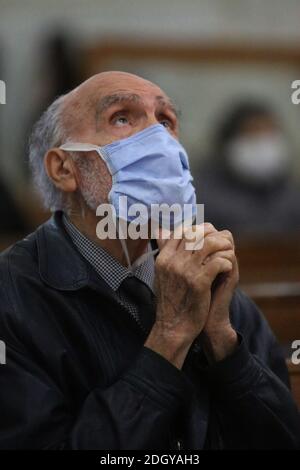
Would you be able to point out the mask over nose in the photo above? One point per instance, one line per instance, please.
(149, 167)
(258, 159)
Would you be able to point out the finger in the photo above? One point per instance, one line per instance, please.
(217, 266)
(209, 228)
(163, 235)
(165, 238)
(227, 234)
(184, 238)
(192, 237)
(226, 254)
(211, 245)
(223, 234)
(211, 270)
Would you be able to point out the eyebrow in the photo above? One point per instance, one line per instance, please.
(118, 98)
(168, 103)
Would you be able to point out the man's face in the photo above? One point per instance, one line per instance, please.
(109, 107)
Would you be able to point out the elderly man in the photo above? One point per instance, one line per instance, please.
(108, 348)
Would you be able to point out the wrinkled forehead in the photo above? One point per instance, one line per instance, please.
(114, 82)
(98, 93)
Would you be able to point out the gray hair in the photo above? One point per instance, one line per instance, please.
(48, 132)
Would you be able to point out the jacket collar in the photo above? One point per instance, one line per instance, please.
(60, 264)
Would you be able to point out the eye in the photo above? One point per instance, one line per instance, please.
(121, 121)
(165, 123)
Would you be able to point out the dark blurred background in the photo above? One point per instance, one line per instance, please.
(229, 66)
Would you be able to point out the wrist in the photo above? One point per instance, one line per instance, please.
(219, 342)
(170, 344)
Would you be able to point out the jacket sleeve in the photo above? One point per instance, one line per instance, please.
(253, 404)
(138, 411)
(135, 412)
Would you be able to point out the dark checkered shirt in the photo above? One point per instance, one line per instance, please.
(110, 269)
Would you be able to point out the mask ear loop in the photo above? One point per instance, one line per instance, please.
(123, 243)
(132, 266)
(78, 147)
(144, 257)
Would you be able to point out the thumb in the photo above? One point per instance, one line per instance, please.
(162, 235)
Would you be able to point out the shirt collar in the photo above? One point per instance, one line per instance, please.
(109, 268)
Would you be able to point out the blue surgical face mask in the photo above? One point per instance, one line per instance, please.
(149, 167)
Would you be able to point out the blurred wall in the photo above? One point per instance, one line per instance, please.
(202, 92)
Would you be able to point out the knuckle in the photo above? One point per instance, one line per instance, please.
(170, 265)
(229, 236)
(203, 282)
(219, 262)
(227, 233)
(227, 244)
(178, 271)
(209, 226)
(209, 243)
(189, 278)
(213, 262)
(161, 262)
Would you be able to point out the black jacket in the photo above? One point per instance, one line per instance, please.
(78, 376)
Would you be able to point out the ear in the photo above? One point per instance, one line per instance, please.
(61, 170)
